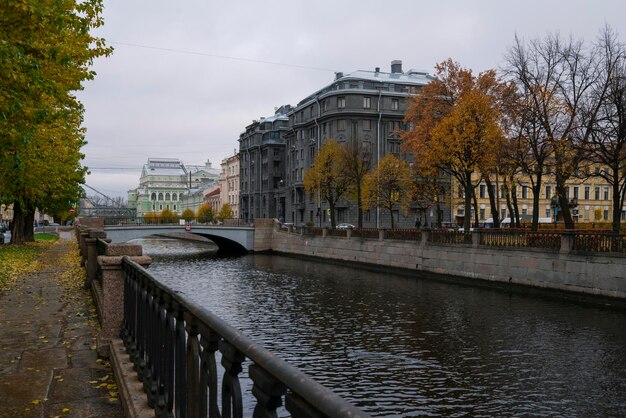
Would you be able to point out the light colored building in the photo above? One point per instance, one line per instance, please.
(229, 183)
(590, 200)
(168, 183)
(212, 197)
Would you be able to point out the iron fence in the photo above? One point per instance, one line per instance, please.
(411, 234)
(371, 233)
(447, 236)
(520, 238)
(600, 242)
(173, 344)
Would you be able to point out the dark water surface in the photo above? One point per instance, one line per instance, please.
(403, 346)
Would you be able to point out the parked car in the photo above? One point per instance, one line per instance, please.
(345, 226)
(285, 225)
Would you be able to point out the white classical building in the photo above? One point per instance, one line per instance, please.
(168, 183)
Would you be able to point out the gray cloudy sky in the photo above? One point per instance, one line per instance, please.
(187, 76)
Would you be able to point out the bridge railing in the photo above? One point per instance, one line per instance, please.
(174, 346)
(171, 220)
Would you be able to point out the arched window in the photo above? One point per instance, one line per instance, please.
(160, 196)
(167, 196)
(153, 197)
(174, 196)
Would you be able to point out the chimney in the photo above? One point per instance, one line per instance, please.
(377, 70)
(338, 75)
(396, 66)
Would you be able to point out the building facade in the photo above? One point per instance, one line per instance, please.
(366, 107)
(168, 183)
(262, 166)
(229, 183)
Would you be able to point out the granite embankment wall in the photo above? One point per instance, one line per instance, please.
(599, 275)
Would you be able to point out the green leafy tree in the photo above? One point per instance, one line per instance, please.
(389, 185)
(226, 212)
(204, 213)
(327, 176)
(46, 52)
(188, 215)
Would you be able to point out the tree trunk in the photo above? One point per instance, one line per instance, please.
(536, 195)
(617, 201)
(393, 226)
(29, 231)
(468, 202)
(359, 205)
(564, 204)
(495, 213)
(17, 226)
(475, 204)
(333, 223)
(515, 214)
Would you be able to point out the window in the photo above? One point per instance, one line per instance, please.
(575, 192)
(482, 192)
(324, 127)
(524, 211)
(153, 197)
(161, 197)
(167, 196)
(605, 215)
(586, 192)
(325, 105)
(503, 213)
(606, 193)
(395, 104)
(596, 192)
(367, 102)
(341, 125)
(302, 154)
(524, 191)
(548, 214)
(482, 214)
(367, 125)
(341, 102)
(548, 192)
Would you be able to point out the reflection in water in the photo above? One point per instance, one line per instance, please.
(404, 346)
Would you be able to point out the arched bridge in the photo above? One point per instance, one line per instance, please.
(229, 239)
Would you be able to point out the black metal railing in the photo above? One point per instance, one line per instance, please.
(337, 232)
(600, 242)
(410, 234)
(172, 220)
(446, 236)
(173, 344)
(371, 233)
(520, 238)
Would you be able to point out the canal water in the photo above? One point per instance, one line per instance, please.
(399, 346)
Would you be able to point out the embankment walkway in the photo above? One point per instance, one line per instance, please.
(48, 362)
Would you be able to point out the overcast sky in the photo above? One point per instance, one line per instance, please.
(187, 76)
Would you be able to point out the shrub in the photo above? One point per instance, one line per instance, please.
(167, 216)
(188, 215)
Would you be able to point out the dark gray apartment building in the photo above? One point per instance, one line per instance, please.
(363, 106)
(262, 165)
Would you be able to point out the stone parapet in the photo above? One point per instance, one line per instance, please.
(563, 269)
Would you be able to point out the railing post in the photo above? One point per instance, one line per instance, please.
(349, 232)
(290, 228)
(381, 234)
(567, 242)
(475, 238)
(111, 310)
(324, 232)
(92, 255)
(84, 234)
(425, 235)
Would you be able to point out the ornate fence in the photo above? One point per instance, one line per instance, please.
(174, 343)
(446, 236)
(366, 233)
(411, 234)
(520, 238)
(600, 242)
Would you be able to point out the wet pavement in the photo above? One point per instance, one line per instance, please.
(48, 363)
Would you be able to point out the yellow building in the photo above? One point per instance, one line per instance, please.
(590, 200)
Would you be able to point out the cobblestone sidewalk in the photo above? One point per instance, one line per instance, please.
(48, 363)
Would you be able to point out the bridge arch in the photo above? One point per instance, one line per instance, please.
(230, 240)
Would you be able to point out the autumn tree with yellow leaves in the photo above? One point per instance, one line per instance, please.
(327, 176)
(389, 185)
(46, 52)
(456, 126)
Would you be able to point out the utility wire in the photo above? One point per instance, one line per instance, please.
(206, 54)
